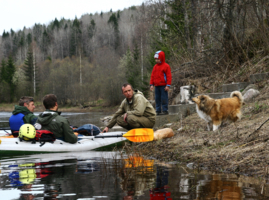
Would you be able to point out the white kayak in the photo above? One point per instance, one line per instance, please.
(4, 132)
(13, 146)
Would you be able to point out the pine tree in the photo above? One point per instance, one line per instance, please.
(3, 71)
(30, 71)
(91, 28)
(76, 36)
(7, 74)
(133, 74)
(10, 70)
(29, 38)
(113, 20)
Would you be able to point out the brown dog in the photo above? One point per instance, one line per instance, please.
(217, 110)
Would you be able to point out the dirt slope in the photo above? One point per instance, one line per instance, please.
(235, 148)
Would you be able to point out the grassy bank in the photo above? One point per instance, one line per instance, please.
(235, 148)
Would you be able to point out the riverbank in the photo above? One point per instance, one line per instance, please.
(9, 107)
(236, 148)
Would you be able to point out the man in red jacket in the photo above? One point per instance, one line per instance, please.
(161, 78)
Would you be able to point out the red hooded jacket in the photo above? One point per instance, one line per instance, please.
(161, 73)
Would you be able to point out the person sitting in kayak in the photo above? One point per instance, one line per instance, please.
(52, 121)
(135, 111)
(22, 114)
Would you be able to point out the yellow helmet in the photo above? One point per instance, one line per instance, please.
(27, 131)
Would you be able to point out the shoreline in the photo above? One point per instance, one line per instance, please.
(240, 148)
(39, 108)
(235, 148)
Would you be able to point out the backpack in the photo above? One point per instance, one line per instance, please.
(41, 136)
(44, 136)
(88, 130)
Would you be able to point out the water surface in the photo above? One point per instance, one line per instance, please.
(106, 175)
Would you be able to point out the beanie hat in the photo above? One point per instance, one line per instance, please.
(156, 55)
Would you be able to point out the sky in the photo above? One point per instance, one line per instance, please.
(16, 14)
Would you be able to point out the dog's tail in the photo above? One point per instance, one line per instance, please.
(238, 95)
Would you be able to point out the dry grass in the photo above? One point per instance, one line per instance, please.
(235, 148)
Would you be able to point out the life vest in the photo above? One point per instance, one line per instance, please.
(16, 121)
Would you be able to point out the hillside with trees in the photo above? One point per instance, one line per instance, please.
(207, 43)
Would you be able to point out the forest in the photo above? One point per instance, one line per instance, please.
(206, 42)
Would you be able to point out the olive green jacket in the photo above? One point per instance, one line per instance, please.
(139, 106)
(58, 125)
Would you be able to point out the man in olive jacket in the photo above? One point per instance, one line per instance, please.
(135, 111)
(22, 114)
(52, 121)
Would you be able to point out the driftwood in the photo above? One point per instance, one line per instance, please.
(254, 135)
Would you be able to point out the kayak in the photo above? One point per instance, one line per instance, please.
(4, 132)
(13, 146)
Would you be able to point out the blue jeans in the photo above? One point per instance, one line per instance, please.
(161, 99)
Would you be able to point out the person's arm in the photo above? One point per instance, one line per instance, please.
(168, 75)
(30, 118)
(119, 112)
(151, 82)
(139, 106)
(69, 135)
(105, 130)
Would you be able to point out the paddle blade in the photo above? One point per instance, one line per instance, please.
(139, 135)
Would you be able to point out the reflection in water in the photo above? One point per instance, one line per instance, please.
(220, 189)
(105, 175)
(137, 176)
(160, 192)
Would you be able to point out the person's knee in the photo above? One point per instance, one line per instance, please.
(120, 121)
(131, 119)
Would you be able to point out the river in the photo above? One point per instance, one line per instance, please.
(114, 175)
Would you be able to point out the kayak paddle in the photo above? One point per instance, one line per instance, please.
(134, 135)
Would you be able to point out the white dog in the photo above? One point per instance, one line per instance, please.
(186, 94)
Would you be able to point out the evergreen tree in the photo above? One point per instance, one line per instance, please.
(7, 74)
(10, 70)
(56, 24)
(118, 14)
(3, 71)
(76, 37)
(45, 42)
(133, 74)
(30, 72)
(12, 32)
(29, 38)
(113, 20)
(91, 29)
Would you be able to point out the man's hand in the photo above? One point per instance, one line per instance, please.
(76, 133)
(105, 130)
(125, 117)
(151, 88)
(166, 88)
